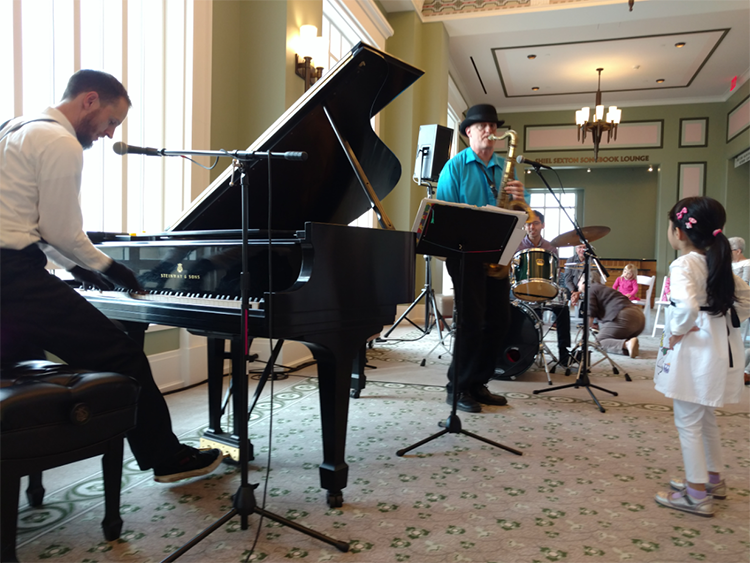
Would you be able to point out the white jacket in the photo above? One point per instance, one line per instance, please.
(698, 369)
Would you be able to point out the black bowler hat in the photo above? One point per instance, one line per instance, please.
(480, 113)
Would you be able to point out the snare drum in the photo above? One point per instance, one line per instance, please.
(534, 275)
(521, 346)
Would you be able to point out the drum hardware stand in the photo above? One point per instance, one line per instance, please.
(450, 332)
(598, 347)
(542, 361)
(582, 379)
(243, 501)
(427, 290)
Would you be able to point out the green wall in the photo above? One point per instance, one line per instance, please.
(623, 199)
(424, 46)
(738, 179)
(254, 83)
(620, 197)
(253, 78)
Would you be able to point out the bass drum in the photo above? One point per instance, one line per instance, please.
(518, 352)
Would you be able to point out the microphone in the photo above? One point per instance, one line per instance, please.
(122, 148)
(520, 159)
(293, 155)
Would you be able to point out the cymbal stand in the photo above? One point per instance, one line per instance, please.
(430, 306)
(243, 501)
(453, 424)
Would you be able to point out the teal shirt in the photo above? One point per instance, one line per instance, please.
(463, 180)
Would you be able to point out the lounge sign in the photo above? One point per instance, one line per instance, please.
(590, 159)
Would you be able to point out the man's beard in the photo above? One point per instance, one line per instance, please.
(84, 131)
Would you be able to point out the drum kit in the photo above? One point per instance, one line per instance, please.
(534, 289)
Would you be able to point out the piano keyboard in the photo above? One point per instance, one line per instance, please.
(228, 302)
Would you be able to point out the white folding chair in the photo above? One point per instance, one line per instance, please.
(649, 282)
(661, 303)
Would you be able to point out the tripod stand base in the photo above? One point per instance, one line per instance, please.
(244, 505)
(452, 425)
(578, 384)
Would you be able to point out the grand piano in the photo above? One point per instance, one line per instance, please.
(313, 279)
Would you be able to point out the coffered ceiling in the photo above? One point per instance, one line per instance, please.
(533, 55)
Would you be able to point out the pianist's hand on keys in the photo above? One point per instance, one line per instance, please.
(122, 276)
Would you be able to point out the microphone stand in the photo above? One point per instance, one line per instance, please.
(243, 501)
(237, 155)
(582, 379)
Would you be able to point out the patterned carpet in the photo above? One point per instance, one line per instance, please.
(581, 492)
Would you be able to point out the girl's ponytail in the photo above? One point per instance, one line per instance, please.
(702, 220)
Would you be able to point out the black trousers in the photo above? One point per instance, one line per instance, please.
(483, 311)
(39, 312)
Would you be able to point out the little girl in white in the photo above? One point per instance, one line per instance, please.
(700, 360)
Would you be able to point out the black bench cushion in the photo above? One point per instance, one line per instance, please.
(62, 408)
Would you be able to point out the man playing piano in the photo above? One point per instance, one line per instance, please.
(469, 177)
(41, 161)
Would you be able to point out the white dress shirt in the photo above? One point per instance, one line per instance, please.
(40, 183)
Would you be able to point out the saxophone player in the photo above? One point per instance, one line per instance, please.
(473, 177)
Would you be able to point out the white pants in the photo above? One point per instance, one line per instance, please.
(699, 439)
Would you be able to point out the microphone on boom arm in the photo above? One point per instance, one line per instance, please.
(520, 159)
(122, 148)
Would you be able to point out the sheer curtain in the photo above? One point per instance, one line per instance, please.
(149, 46)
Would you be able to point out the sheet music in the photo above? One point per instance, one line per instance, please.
(514, 240)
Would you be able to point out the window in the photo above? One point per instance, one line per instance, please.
(556, 221)
(340, 33)
(148, 46)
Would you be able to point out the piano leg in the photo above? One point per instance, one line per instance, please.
(335, 354)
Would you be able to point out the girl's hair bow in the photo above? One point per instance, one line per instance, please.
(681, 212)
(690, 222)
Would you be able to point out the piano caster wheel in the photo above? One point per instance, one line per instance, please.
(354, 393)
(335, 500)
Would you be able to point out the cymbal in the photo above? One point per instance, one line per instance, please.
(571, 237)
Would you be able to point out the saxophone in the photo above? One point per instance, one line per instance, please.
(504, 199)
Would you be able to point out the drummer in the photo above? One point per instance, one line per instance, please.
(533, 239)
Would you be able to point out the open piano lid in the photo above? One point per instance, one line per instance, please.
(325, 187)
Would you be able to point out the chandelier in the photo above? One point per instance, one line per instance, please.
(598, 124)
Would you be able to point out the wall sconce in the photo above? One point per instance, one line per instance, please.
(310, 52)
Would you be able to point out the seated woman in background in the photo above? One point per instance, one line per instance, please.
(740, 264)
(627, 283)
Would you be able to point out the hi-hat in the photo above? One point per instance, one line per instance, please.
(571, 237)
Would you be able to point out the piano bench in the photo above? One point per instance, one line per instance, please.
(52, 415)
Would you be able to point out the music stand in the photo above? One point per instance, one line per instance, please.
(491, 238)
